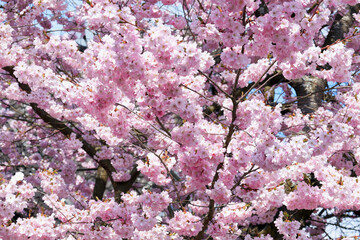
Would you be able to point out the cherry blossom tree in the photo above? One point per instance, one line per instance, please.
(192, 119)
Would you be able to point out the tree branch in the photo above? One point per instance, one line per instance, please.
(105, 168)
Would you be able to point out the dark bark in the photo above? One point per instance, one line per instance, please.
(262, 10)
(310, 93)
(100, 183)
(341, 25)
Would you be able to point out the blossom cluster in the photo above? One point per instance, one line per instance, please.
(167, 119)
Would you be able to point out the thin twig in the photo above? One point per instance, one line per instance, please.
(277, 74)
(187, 21)
(210, 80)
(162, 126)
(253, 86)
(182, 85)
(118, 104)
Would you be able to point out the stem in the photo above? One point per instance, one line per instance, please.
(228, 138)
(210, 80)
(253, 86)
(182, 85)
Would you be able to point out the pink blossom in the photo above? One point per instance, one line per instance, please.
(185, 224)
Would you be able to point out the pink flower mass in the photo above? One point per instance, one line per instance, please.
(168, 119)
